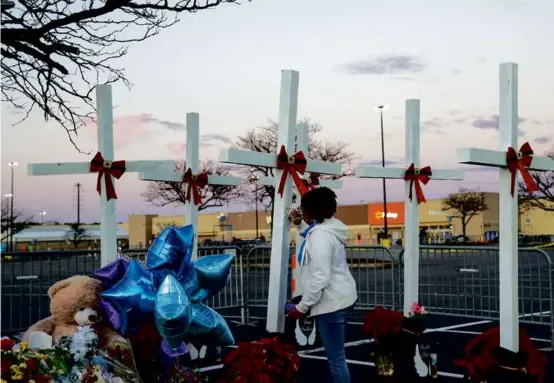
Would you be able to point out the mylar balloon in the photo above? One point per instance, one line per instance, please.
(172, 311)
(207, 324)
(112, 273)
(211, 275)
(134, 290)
(171, 250)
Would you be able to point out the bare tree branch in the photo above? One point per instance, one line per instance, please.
(264, 139)
(175, 193)
(19, 223)
(544, 198)
(55, 52)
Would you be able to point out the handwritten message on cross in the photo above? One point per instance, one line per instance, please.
(310, 180)
(106, 168)
(415, 177)
(510, 160)
(191, 176)
(287, 166)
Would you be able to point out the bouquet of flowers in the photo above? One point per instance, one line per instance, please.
(76, 358)
(264, 361)
(21, 364)
(382, 324)
(485, 360)
(414, 323)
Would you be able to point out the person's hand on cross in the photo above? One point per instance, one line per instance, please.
(295, 216)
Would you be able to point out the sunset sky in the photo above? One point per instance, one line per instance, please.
(225, 64)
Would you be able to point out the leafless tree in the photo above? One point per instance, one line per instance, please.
(175, 193)
(465, 204)
(76, 234)
(19, 222)
(264, 139)
(544, 198)
(54, 52)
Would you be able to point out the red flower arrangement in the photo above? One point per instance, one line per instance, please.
(265, 361)
(381, 322)
(481, 356)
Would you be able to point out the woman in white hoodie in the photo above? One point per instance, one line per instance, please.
(327, 286)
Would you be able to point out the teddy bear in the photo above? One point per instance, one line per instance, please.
(74, 302)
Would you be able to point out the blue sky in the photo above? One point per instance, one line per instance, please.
(225, 64)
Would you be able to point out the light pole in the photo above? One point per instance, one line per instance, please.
(42, 213)
(222, 218)
(386, 228)
(12, 166)
(254, 179)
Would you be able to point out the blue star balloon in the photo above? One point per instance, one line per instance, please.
(171, 250)
(168, 282)
(210, 275)
(134, 290)
(112, 273)
(172, 312)
(207, 324)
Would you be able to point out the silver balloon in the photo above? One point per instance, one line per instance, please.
(172, 311)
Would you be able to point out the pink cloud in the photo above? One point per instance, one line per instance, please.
(177, 149)
(127, 130)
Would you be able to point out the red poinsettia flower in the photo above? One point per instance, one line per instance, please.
(379, 322)
(32, 364)
(480, 357)
(6, 364)
(6, 344)
(264, 361)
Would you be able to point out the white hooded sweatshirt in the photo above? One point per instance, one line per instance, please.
(325, 278)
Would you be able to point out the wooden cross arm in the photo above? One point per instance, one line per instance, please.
(176, 176)
(248, 157)
(331, 184)
(61, 168)
(398, 173)
(495, 158)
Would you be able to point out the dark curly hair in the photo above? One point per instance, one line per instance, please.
(319, 203)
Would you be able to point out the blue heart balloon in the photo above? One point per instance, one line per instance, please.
(172, 311)
(134, 290)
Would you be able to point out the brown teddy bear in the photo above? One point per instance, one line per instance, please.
(74, 302)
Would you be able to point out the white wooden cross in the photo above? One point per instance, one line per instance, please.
(192, 162)
(302, 139)
(508, 218)
(411, 247)
(280, 243)
(108, 222)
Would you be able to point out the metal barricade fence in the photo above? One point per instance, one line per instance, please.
(464, 281)
(373, 268)
(26, 277)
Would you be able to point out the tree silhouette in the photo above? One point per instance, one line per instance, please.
(55, 52)
(465, 204)
(544, 198)
(164, 193)
(19, 222)
(264, 139)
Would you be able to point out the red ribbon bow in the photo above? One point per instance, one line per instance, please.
(108, 168)
(418, 176)
(291, 165)
(195, 182)
(521, 160)
(311, 182)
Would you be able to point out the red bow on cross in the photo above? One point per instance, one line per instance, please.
(109, 169)
(521, 160)
(311, 182)
(291, 165)
(194, 183)
(415, 176)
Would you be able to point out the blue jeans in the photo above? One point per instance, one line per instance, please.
(332, 328)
